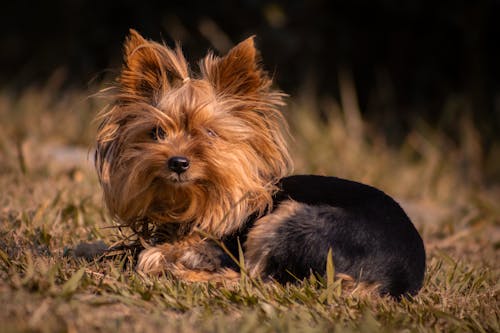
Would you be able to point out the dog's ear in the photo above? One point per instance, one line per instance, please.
(141, 76)
(149, 70)
(238, 72)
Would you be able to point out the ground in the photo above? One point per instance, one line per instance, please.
(50, 201)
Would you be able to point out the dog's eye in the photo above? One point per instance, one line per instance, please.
(211, 133)
(158, 133)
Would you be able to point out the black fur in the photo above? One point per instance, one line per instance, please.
(371, 237)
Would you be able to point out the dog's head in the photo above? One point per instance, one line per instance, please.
(175, 148)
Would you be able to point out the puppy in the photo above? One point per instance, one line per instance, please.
(203, 159)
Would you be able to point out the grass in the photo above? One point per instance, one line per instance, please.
(50, 201)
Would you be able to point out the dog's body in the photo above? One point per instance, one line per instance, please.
(372, 238)
(206, 156)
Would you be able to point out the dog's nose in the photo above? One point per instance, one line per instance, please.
(178, 164)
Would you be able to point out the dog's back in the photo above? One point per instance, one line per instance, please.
(372, 239)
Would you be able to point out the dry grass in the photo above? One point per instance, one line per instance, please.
(50, 201)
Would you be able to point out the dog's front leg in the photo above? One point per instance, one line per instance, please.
(190, 259)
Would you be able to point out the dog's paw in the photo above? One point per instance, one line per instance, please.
(151, 261)
(181, 259)
(196, 260)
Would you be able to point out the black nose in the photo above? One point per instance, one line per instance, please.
(178, 164)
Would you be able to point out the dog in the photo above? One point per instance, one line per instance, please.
(203, 158)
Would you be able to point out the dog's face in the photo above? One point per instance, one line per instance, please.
(203, 151)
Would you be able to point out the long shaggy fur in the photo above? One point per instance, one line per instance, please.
(224, 120)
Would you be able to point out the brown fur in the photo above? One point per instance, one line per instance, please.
(225, 120)
(191, 259)
(262, 237)
(351, 286)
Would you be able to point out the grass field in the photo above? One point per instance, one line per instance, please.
(50, 201)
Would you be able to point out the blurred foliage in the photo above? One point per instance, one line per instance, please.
(364, 77)
(50, 201)
(409, 62)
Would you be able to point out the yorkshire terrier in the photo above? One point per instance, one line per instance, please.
(204, 159)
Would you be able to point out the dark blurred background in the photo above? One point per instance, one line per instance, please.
(410, 60)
